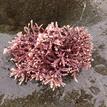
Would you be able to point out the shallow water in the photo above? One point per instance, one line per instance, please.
(91, 91)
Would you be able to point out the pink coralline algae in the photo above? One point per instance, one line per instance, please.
(49, 54)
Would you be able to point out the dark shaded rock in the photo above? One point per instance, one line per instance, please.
(19, 12)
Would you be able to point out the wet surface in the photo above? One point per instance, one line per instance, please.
(91, 91)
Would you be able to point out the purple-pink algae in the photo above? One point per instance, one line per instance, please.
(49, 54)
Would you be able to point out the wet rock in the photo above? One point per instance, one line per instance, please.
(102, 69)
(102, 104)
(101, 46)
(98, 59)
(79, 98)
(94, 90)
